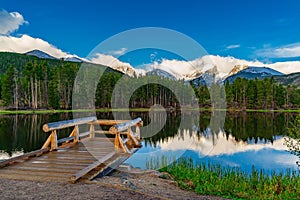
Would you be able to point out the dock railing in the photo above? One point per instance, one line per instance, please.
(126, 139)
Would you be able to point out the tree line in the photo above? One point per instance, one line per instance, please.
(261, 94)
(37, 85)
(44, 84)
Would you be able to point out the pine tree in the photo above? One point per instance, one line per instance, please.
(8, 92)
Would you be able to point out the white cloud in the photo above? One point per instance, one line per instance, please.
(118, 52)
(217, 145)
(10, 22)
(291, 50)
(233, 46)
(286, 67)
(178, 68)
(114, 63)
(27, 43)
(108, 60)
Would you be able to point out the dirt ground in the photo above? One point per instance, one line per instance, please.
(133, 184)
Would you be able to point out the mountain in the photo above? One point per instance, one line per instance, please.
(207, 78)
(40, 54)
(237, 69)
(289, 79)
(254, 72)
(128, 70)
(73, 59)
(161, 73)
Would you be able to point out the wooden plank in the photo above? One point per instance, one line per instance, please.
(67, 123)
(67, 161)
(24, 156)
(66, 157)
(125, 125)
(86, 170)
(77, 166)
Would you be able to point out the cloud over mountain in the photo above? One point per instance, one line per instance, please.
(27, 43)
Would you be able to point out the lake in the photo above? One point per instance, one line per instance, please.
(239, 140)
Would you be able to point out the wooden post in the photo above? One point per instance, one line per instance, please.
(76, 134)
(129, 142)
(122, 144)
(117, 142)
(132, 138)
(137, 132)
(92, 131)
(73, 134)
(53, 140)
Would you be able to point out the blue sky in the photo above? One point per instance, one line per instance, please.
(243, 29)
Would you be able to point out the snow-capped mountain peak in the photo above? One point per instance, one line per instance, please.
(236, 69)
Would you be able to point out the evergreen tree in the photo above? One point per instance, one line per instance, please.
(8, 91)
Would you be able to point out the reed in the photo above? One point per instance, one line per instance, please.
(214, 179)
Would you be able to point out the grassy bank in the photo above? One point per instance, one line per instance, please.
(210, 179)
(46, 111)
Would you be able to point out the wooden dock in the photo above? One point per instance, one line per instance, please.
(81, 156)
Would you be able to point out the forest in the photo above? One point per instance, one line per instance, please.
(27, 82)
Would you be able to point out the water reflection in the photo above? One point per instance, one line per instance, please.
(244, 140)
(23, 133)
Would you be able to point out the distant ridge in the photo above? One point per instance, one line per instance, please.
(73, 59)
(254, 72)
(289, 79)
(162, 73)
(40, 54)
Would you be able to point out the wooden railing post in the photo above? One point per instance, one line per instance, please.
(92, 131)
(117, 142)
(53, 140)
(138, 132)
(76, 134)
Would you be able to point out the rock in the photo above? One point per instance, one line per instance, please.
(166, 176)
(129, 184)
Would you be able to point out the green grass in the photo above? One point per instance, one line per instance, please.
(213, 179)
(25, 112)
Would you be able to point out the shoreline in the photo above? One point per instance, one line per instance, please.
(119, 185)
(104, 110)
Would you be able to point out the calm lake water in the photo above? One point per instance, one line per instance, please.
(240, 140)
